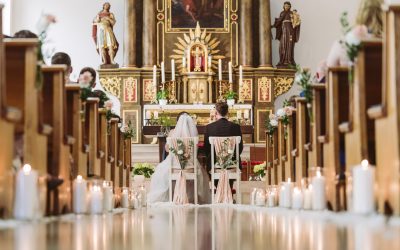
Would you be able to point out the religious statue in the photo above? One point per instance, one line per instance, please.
(197, 60)
(103, 35)
(287, 32)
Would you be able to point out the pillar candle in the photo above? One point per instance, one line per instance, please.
(79, 194)
(148, 114)
(230, 71)
(281, 195)
(155, 76)
(271, 199)
(240, 75)
(307, 198)
(287, 194)
(96, 200)
(162, 72)
(125, 198)
(246, 114)
(173, 70)
(297, 199)
(108, 204)
(318, 191)
(184, 61)
(363, 188)
(260, 198)
(219, 70)
(239, 114)
(26, 200)
(155, 114)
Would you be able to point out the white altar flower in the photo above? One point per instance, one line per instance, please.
(108, 105)
(281, 113)
(180, 152)
(355, 36)
(273, 123)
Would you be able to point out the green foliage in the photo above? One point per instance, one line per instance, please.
(231, 95)
(225, 156)
(182, 152)
(162, 95)
(145, 169)
(128, 131)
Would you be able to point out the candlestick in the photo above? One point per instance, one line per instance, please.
(219, 70)
(240, 75)
(246, 114)
(297, 199)
(26, 202)
(307, 199)
(363, 188)
(80, 195)
(230, 72)
(96, 199)
(108, 196)
(287, 194)
(154, 76)
(125, 197)
(318, 191)
(173, 70)
(162, 72)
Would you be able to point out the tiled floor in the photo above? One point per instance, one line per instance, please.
(205, 228)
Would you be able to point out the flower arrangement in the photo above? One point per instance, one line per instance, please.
(259, 169)
(225, 154)
(182, 152)
(162, 95)
(271, 123)
(303, 79)
(145, 169)
(128, 131)
(230, 95)
(283, 114)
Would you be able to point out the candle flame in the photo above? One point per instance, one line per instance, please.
(79, 177)
(288, 180)
(365, 164)
(27, 168)
(296, 190)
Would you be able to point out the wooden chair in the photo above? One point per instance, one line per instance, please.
(365, 92)
(113, 151)
(9, 117)
(103, 144)
(233, 173)
(337, 104)
(121, 159)
(190, 171)
(387, 121)
(91, 132)
(53, 112)
(290, 142)
(299, 152)
(75, 127)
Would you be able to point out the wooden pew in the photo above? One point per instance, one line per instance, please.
(128, 160)
(91, 134)
(365, 92)
(290, 142)
(282, 158)
(121, 160)
(75, 127)
(275, 162)
(103, 144)
(269, 159)
(387, 118)
(54, 112)
(317, 124)
(337, 103)
(9, 117)
(299, 153)
(113, 151)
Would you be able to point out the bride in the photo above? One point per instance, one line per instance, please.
(185, 127)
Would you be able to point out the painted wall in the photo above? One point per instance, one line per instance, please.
(72, 33)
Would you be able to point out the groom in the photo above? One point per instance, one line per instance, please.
(221, 128)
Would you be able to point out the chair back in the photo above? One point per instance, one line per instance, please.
(223, 149)
(184, 151)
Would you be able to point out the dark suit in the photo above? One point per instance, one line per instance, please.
(221, 128)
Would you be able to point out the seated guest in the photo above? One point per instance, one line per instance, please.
(87, 76)
(63, 58)
(25, 34)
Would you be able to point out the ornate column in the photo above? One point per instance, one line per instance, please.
(246, 34)
(149, 33)
(130, 34)
(264, 22)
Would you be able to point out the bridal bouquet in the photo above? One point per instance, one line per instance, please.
(224, 152)
(182, 151)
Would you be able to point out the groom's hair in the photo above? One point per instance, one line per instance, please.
(222, 108)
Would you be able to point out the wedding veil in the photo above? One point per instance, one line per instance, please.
(185, 127)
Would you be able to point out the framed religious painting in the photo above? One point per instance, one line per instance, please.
(183, 15)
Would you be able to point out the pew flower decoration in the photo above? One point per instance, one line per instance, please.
(225, 155)
(145, 169)
(271, 124)
(182, 152)
(259, 169)
(128, 130)
(283, 114)
(303, 79)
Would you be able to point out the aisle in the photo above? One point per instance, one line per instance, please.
(239, 227)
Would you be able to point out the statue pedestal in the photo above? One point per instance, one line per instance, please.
(109, 66)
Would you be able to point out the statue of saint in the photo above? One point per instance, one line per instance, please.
(287, 32)
(103, 35)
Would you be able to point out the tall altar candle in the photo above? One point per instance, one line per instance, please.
(219, 70)
(230, 71)
(162, 72)
(173, 70)
(26, 193)
(155, 76)
(318, 191)
(240, 75)
(79, 193)
(209, 61)
(184, 61)
(363, 188)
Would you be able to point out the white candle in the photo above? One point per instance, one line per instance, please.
(287, 194)
(246, 114)
(173, 70)
(297, 199)
(155, 76)
(184, 61)
(26, 202)
(318, 191)
(219, 70)
(162, 72)
(79, 194)
(281, 194)
(155, 114)
(239, 114)
(307, 199)
(96, 200)
(240, 75)
(363, 188)
(108, 195)
(209, 61)
(260, 198)
(125, 198)
(271, 199)
(230, 72)
(148, 114)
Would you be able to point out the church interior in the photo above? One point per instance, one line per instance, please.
(199, 124)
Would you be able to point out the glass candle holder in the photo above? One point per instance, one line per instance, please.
(125, 197)
(272, 195)
(260, 197)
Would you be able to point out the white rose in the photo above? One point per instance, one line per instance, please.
(84, 85)
(230, 151)
(298, 78)
(273, 123)
(180, 152)
(281, 113)
(352, 39)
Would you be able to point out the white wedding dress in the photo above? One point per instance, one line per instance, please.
(159, 186)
